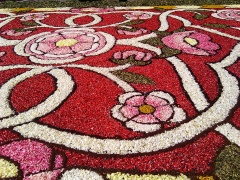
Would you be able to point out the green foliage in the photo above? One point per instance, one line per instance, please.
(200, 16)
(227, 164)
(29, 23)
(133, 77)
(212, 25)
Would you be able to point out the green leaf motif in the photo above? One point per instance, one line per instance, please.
(29, 23)
(155, 41)
(133, 77)
(200, 16)
(130, 60)
(215, 25)
(133, 22)
(227, 163)
(19, 30)
(169, 52)
(182, 29)
(23, 30)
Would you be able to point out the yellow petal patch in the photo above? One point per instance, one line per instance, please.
(191, 41)
(146, 109)
(7, 169)
(66, 42)
(123, 176)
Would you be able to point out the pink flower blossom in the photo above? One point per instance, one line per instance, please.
(138, 15)
(13, 32)
(139, 56)
(67, 45)
(229, 14)
(47, 175)
(34, 16)
(92, 9)
(32, 156)
(191, 42)
(147, 112)
(130, 33)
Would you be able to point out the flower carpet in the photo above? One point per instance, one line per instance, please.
(120, 93)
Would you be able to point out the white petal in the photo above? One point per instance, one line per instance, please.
(179, 115)
(33, 48)
(122, 99)
(163, 95)
(117, 114)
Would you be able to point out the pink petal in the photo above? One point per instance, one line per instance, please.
(61, 51)
(196, 51)
(85, 39)
(176, 40)
(53, 39)
(145, 118)
(81, 47)
(163, 113)
(117, 55)
(49, 175)
(145, 16)
(147, 57)
(126, 54)
(129, 111)
(139, 56)
(31, 155)
(155, 101)
(199, 36)
(46, 47)
(135, 101)
(70, 35)
(9, 32)
(58, 162)
(207, 45)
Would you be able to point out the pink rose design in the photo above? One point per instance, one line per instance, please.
(92, 9)
(139, 56)
(65, 46)
(33, 157)
(229, 14)
(147, 112)
(130, 33)
(34, 16)
(191, 42)
(138, 15)
(13, 32)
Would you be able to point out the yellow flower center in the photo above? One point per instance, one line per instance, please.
(191, 41)
(146, 109)
(8, 169)
(66, 42)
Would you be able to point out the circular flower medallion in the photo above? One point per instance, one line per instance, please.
(63, 46)
(147, 112)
